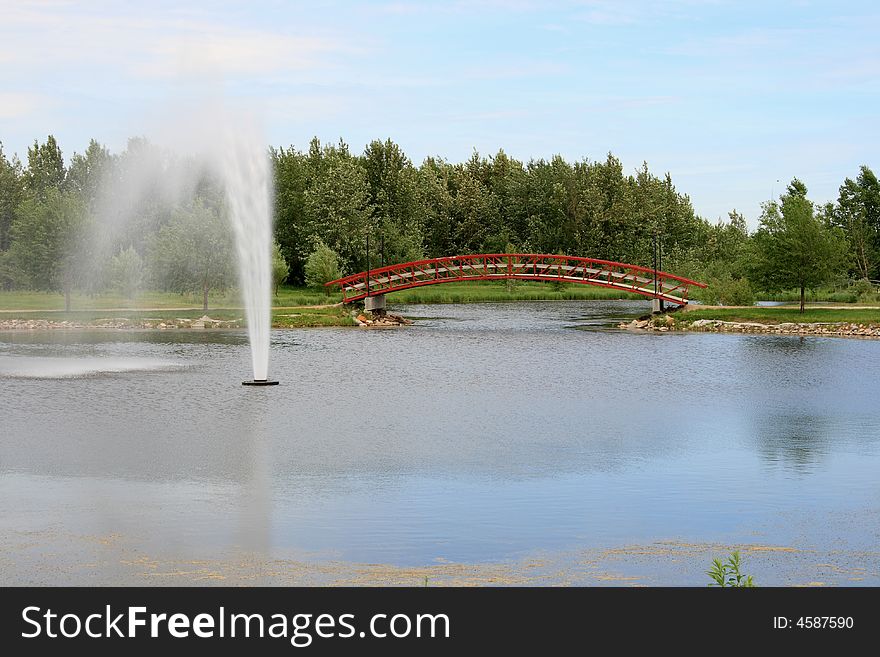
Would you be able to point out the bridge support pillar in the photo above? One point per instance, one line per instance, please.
(375, 304)
(656, 305)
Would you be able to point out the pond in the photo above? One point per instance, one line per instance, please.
(485, 433)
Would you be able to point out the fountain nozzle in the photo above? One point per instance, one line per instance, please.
(259, 382)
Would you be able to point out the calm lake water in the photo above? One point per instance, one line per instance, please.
(483, 433)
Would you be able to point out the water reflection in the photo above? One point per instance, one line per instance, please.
(799, 443)
(255, 508)
(482, 432)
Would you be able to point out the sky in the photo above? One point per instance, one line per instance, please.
(732, 98)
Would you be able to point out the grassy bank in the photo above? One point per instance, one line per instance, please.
(305, 316)
(288, 297)
(851, 294)
(46, 301)
(782, 314)
(295, 317)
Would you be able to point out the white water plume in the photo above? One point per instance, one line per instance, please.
(184, 148)
(246, 175)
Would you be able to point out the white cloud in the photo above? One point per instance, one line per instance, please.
(15, 105)
(225, 52)
(54, 36)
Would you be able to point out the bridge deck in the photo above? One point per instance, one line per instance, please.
(520, 266)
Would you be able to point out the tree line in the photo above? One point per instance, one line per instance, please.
(328, 200)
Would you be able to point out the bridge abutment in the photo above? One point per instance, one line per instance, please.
(375, 304)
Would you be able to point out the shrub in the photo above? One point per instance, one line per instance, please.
(727, 291)
(727, 574)
(280, 268)
(322, 266)
(127, 272)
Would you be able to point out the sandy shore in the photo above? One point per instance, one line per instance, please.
(51, 558)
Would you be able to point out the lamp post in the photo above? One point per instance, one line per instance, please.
(368, 261)
(660, 266)
(654, 259)
(657, 243)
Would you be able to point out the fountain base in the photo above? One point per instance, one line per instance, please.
(259, 382)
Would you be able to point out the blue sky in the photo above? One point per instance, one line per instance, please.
(729, 97)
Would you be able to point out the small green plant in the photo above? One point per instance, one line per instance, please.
(728, 573)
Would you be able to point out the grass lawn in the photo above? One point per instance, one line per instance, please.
(488, 291)
(780, 314)
(305, 316)
(302, 307)
(302, 316)
(292, 297)
(287, 296)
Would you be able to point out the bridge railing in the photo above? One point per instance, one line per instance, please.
(524, 266)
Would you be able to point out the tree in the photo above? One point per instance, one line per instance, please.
(397, 212)
(339, 203)
(858, 213)
(280, 269)
(793, 248)
(294, 230)
(11, 193)
(437, 198)
(88, 171)
(127, 272)
(45, 170)
(322, 266)
(193, 253)
(50, 249)
(475, 211)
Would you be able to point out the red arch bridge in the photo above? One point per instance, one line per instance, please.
(648, 282)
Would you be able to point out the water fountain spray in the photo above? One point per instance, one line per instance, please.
(247, 175)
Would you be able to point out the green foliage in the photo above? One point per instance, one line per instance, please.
(338, 204)
(303, 317)
(485, 204)
(727, 574)
(193, 252)
(127, 272)
(280, 268)
(50, 249)
(7, 271)
(11, 193)
(45, 170)
(322, 266)
(87, 171)
(586, 208)
(858, 213)
(865, 291)
(727, 291)
(398, 214)
(793, 248)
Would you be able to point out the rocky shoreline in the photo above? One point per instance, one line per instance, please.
(381, 321)
(666, 323)
(204, 322)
